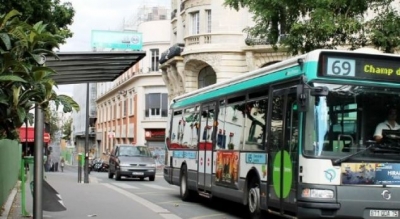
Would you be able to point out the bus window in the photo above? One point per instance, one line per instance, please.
(191, 128)
(276, 123)
(255, 119)
(176, 130)
(234, 124)
(221, 132)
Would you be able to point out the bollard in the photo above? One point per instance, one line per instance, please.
(81, 162)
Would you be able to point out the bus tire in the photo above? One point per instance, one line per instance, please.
(253, 202)
(185, 193)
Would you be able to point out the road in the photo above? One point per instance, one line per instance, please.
(166, 196)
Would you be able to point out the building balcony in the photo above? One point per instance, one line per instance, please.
(212, 39)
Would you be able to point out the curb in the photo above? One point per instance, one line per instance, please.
(10, 200)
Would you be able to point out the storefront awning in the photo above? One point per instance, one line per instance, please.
(31, 135)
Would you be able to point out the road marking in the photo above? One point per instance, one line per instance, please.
(208, 216)
(170, 216)
(171, 202)
(155, 208)
(151, 193)
(156, 187)
(125, 186)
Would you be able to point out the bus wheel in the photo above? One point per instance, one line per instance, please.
(254, 201)
(184, 191)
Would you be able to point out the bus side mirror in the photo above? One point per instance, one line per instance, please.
(302, 98)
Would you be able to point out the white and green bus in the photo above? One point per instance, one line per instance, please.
(294, 138)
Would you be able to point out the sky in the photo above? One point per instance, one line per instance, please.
(99, 15)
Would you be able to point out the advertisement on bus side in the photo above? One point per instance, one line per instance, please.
(227, 168)
(371, 173)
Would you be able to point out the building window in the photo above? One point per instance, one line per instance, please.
(124, 108)
(156, 105)
(208, 21)
(131, 106)
(154, 113)
(154, 59)
(115, 112)
(207, 77)
(195, 23)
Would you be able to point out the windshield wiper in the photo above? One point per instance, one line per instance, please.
(340, 160)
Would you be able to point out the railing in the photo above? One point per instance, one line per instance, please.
(214, 38)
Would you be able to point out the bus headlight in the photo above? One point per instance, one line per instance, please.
(317, 193)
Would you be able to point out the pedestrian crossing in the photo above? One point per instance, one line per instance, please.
(143, 186)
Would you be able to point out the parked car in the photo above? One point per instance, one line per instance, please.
(131, 161)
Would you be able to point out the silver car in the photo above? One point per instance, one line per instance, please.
(131, 161)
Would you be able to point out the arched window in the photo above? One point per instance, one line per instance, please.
(207, 77)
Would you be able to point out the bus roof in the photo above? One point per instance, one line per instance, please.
(274, 72)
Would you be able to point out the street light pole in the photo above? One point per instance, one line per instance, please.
(38, 164)
(86, 167)
(38, 158)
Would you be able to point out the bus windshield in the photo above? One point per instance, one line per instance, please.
(344, 122)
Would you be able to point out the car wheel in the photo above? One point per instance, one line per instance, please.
(152, 178)
(110, 174)
(117, 175)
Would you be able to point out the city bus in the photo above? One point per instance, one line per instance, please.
(295, 138)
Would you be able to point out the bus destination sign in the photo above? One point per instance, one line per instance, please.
(359, 66)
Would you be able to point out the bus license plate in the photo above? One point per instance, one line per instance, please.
(137, 173)
(383, 213)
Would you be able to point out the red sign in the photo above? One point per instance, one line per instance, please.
(31, 135)
(155, 133)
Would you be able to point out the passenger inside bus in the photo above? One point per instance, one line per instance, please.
(390, 123)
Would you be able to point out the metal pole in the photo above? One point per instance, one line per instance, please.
(86, 164)
(38, 164)
(26, 139)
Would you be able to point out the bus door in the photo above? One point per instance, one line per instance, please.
(207, 134)
(282, 149)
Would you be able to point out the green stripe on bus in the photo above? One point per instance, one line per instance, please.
(247, 84)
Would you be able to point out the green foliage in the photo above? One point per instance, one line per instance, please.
(58, 16)
(309, 24)
(51, 117)
(67, 129)
(23, 82)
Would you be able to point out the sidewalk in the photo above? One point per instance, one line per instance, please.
(85, 200)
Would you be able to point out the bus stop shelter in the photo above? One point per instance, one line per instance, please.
(77, 68)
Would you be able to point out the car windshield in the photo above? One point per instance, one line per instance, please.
(345, 121)
(131, 151)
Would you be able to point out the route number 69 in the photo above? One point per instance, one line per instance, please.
(341, 67)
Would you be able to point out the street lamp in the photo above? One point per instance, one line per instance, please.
(38, 158)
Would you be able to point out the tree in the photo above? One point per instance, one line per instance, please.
(51, 117)
(23, 82)
(306, 25)
(58, 16)
(67, 129)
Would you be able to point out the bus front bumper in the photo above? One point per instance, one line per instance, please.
(356, 202)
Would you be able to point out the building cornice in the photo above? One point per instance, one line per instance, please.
(125, 86)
